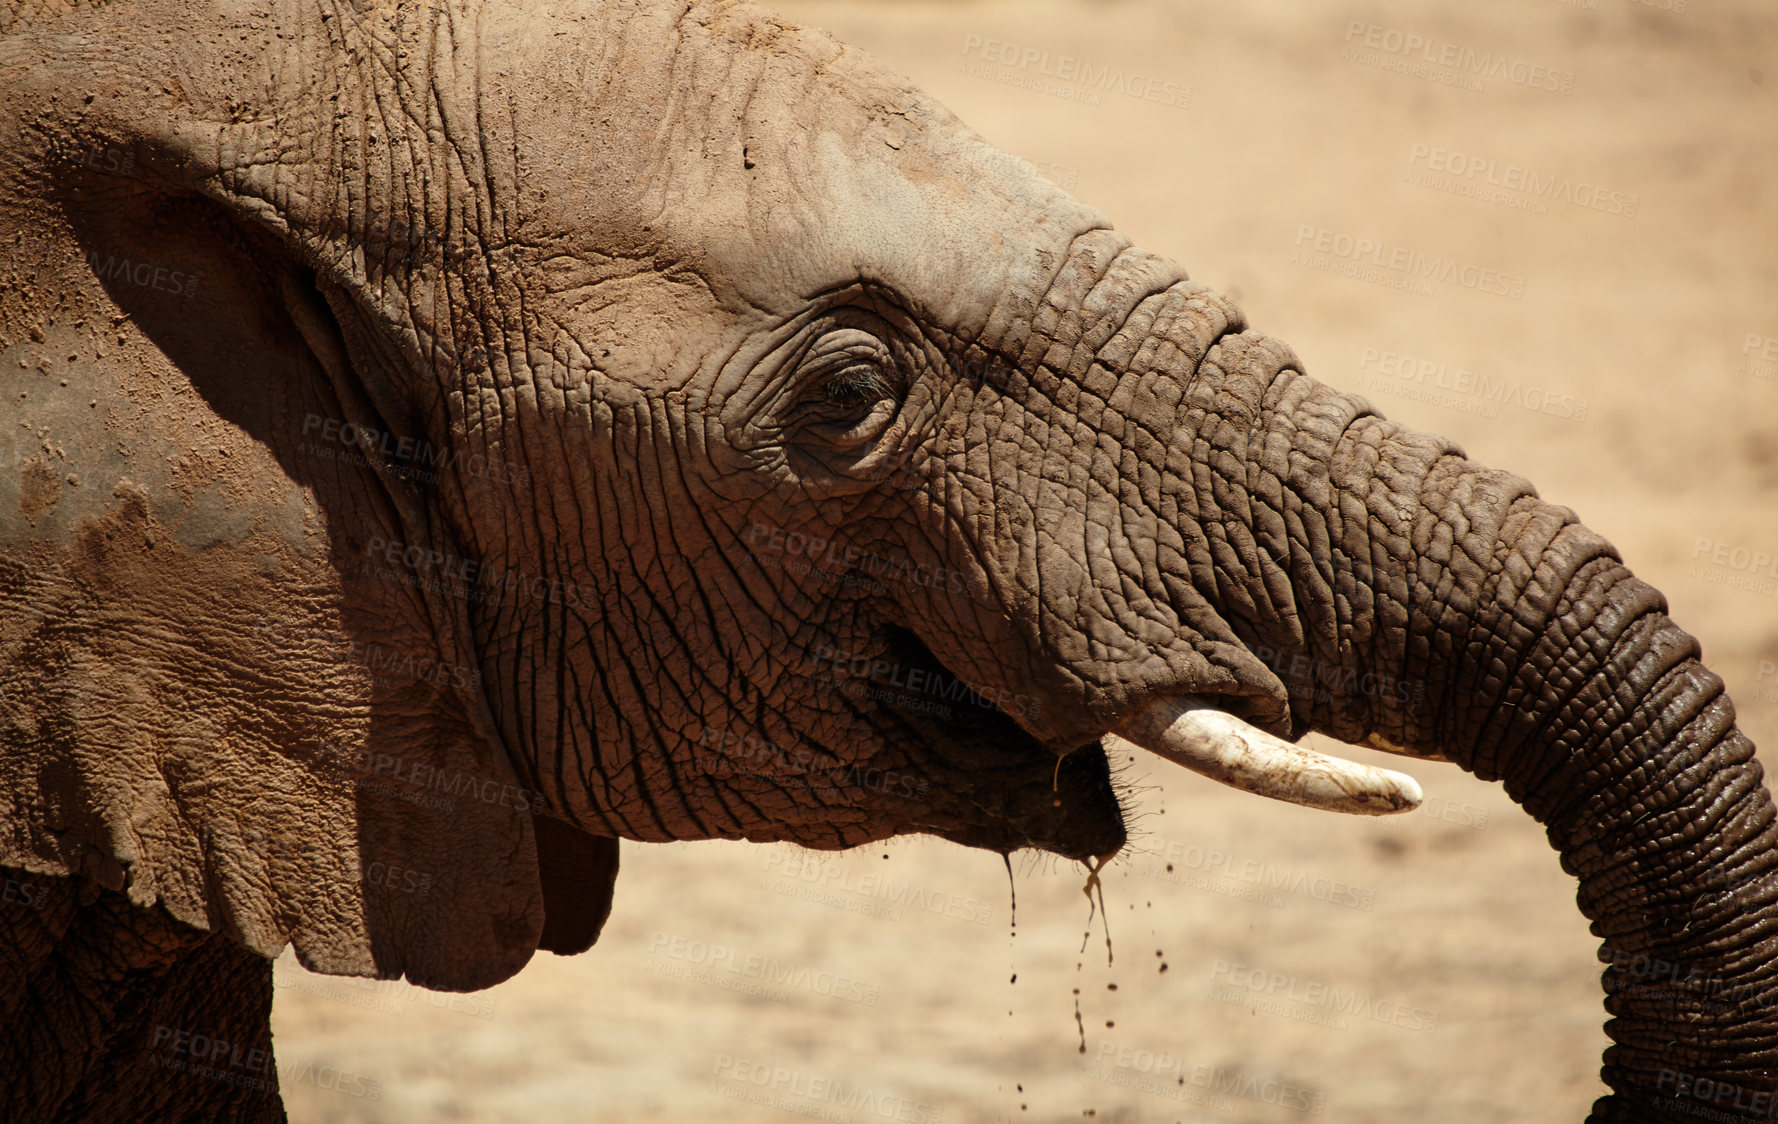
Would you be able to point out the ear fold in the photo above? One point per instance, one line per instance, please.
(231, 681)
(577, 871)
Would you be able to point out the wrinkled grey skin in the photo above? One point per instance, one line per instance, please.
(508, 431)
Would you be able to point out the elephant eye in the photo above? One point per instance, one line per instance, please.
(859, 385)
(853, 395)
(857, 405)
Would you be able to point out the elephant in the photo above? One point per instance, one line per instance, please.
(312, 314)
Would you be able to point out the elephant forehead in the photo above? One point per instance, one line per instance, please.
(773, 169)
(916, 220)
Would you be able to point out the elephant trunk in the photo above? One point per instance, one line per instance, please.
(1568, 681)
(1409, 598)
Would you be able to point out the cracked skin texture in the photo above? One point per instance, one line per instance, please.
(630, 421)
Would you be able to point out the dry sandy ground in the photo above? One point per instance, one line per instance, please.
(1642, 391)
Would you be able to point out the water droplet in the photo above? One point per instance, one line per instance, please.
(1013, 890)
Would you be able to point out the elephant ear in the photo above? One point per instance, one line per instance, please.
(236, 678)
(577, 871)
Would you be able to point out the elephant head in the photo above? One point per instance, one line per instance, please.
(462, 435)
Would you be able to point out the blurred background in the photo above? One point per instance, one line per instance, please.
(1603, 320)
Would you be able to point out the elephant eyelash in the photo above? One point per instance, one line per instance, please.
(850, 407)
(858, 385)
(851, 390)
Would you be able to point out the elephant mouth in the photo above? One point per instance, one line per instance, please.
(998, 787)
(994, 785)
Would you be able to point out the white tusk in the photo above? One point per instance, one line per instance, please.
(1224, 748)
